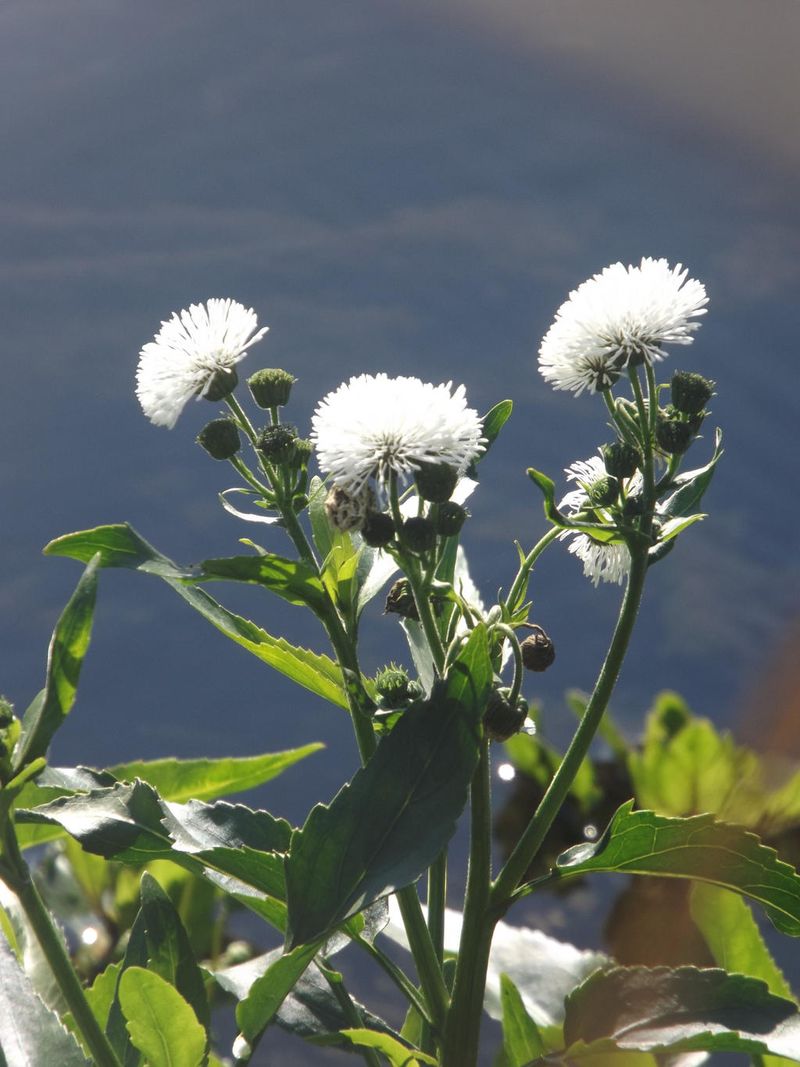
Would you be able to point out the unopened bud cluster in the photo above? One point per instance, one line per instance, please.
(679, 423)
(9, 735)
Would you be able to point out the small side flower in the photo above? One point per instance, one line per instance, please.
(602, 562)
(195, 350)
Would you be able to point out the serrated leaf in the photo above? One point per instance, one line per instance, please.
(522, 1042)
(663, 1010)
(732, 935)
(293, 580)
(120, 546)
(68, 646)
(398, 1054)
(386, 826)
(29, 1032)
(100, 994)
(160, 1022)
(641, 842)
(209, 779)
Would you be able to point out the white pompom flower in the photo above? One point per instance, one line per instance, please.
(374, 425)
(601, 562)
(619, 318)
(189, 350)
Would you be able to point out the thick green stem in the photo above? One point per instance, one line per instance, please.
(531, 840)
(464, 1018)
(428, 969)
(437, 901)
(16, 875)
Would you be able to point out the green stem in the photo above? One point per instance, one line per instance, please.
(517, 591)
(428, 969)
(239, 464)
(16, 875)
(400, 979)
(241, 419)
(530, 842)
(645, 416)
(349, 1008)
(437, 901)
(462, 1029)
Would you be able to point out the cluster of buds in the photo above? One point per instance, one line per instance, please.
(9, 735)
(359, 512)
(679, 423)
(394, 688)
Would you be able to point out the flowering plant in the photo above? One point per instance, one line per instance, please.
(399, 460)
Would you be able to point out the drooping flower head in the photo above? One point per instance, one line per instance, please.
(374, 425)
(601, 562)
(620, 317)
(189, 350)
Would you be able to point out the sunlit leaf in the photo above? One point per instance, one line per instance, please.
(521, 1039)
(160, 1022)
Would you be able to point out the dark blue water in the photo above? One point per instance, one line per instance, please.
(389, 194)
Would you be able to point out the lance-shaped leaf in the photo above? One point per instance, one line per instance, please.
(641, 842)
(522, 1041)
(67, 648)
(397, 1054)
(29, 1032)
(209, 779)
(120, 546)
(691, 486)
(293, 580)
(661, 1010)
(268, 992)
(384, 828)
(161, 1024)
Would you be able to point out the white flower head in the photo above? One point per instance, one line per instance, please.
(622, 315)
(188, 351)
(601, 562)
(374, 425)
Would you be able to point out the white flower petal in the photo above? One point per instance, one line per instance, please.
(622, 312)
(188, 350)
(374, 425)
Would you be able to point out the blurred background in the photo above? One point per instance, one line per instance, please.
(411, 188)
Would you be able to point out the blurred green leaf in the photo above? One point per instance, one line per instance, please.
(160, 1022)
(522, 1042)
(29, 1032)
(68, 646)
(100, 994)
(663, 1010)
(386, 826)
(397, 1054)
(539, 761)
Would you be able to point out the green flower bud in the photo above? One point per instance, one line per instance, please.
(347, 511)
(672, 435)
(302, 452)
(436, 481)
(621, 460)
(378, 529)
(419, 534)
(603, 491)
(691, 392)
(271, 387)
(221, 385)
(400, 601)
(220, 438)
(450, 517)
(9, 735)
(393, 686)
(501, 720)
(276, 443)
(538, 651)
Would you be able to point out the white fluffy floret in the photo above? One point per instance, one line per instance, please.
(374, 425)
(601, 562)
(622, 315)
(188, 351)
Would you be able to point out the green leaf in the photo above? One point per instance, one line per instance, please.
(539, 761)
(521, 1039)
(325, 536)
(398, 1054)
(160, 1022)
(386, 826)
(29, 1032)
(660, 1010)
(121, 546)
(494, 420)
(102, 991)
(67, 648)
(548, 490)
(732, 935)
(641, 842)
(268, 992)
(169, 953)
(692, 485)
(293, 580)
(209, 779)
